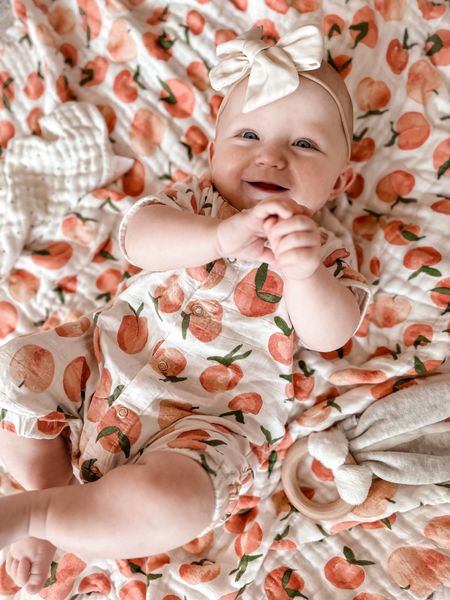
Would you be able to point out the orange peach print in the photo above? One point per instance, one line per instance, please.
(346, 573)
(146, 68)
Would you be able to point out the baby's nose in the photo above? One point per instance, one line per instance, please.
(271, 156)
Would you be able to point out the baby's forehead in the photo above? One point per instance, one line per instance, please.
(310, 101)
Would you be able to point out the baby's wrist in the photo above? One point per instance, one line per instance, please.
(221, 234)
(305, 279)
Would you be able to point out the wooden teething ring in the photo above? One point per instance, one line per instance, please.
(311, 509)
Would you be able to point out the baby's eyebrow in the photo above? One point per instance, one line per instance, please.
(316, 131)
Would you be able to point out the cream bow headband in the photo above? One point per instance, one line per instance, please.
(275, 70)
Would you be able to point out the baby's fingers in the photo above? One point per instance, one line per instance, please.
(281, 207)
(298, 224)
(296, 240)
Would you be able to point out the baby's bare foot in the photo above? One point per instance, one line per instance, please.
(28, 563)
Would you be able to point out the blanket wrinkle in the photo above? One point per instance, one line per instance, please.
(43, 177)
(403, 438)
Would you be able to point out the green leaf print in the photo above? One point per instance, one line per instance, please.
(281, 324)
(411, 237)
(323, 531)
(170, 99)
(268, 297)
(237, 414)
(363, 29)
(260, 279)
(185, 323)
(304, 367)
(334, 405)
(282, 535)
(88, 76)
(243, 564)
(427, 270)
(261, 275)
(230, 357)
(419, 367)
(124, 443)
(436, 44)
(138, 311)
(290, 591)
(334, 28)
(52, 579)
(268, 436)
(165, 42)
(350, 558)
(206, 466)
(89, 472)
(155, 305)
(441, 290)
(116, 393)
(107, 431)
(273, 457)
(443, 168)
(134, 568)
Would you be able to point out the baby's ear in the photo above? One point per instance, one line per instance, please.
(344, 181)
(210, 153)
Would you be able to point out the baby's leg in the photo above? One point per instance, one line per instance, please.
(35, 464)
(133, 510)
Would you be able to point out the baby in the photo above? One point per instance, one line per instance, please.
(163, 398)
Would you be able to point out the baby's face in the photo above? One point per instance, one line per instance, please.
(292, 148)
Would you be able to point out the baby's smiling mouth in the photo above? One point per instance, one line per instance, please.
(267, 186)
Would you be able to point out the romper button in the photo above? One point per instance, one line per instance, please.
(122, 412)
(197, 310)
(231, 259)
(162, 365)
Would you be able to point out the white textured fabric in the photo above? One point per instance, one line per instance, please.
(401, 439)
(273, 69)
(42, 178)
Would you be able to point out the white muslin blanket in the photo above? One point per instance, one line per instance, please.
(42, 177)
(403, 438)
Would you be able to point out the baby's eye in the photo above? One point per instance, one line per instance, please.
(303, 144)
(249, 135)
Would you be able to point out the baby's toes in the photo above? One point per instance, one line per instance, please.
(38, 576)
(22, 568)
(11, 567)
(10, 564)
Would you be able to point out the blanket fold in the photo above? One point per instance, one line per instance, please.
(42, 177)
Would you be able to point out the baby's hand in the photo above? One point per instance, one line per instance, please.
(244, 235)
(295, 243)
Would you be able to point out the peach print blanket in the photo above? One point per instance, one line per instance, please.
(144, 65)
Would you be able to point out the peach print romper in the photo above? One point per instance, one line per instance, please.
(198, 361)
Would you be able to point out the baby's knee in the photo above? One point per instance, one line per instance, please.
(36, 463)
(184, 483)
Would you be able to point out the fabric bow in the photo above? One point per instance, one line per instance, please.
(273, 69)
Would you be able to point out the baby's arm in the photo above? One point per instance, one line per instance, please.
(323, 311)
(159, 238)
(134, 510)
